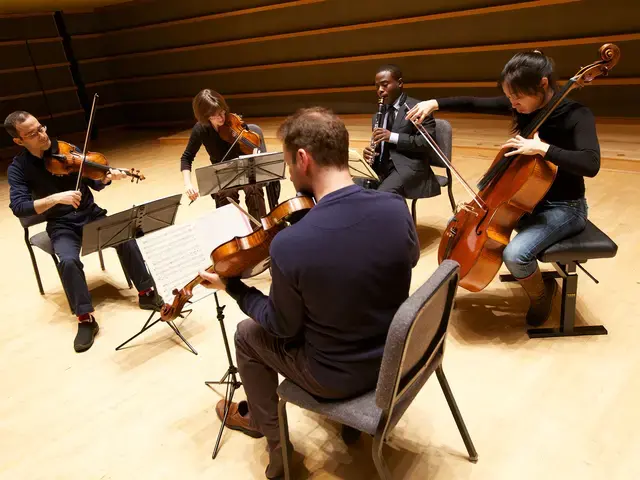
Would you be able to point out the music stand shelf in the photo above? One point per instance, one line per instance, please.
(256, 169)
(130, 224)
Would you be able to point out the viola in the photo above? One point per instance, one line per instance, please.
(69, 161)
(243, 257)
(235, 130)
(480, 230)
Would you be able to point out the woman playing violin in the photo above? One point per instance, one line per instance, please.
(36, 191)
(567, 138)
(211, 111)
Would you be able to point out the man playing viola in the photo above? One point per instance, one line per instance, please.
(334, 291)
(210, 110)
(35, 191)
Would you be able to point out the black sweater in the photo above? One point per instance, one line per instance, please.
(570, 131)
(216, 147)
(338, 277)
(29, 180)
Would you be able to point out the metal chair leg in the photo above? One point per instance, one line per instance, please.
(284, 437)
(473, 455)
(378, 461)
(101, 259)
(414, 204)
(33, 261)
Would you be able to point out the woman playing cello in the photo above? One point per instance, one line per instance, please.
(567, 139)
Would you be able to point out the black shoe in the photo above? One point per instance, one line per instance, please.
(151, 301)
(275, 469)
(86, 333)
(350, 435)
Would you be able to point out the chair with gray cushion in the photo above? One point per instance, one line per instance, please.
(565, 256)
(414, 349)
(444, 139)
(42, 241)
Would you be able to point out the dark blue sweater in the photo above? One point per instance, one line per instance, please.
(338, 277)
(29, 180)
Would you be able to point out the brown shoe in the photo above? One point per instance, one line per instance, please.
(238, 418)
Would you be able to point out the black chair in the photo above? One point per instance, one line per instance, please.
(444, 139)
(414, 349)
(272, 188)
(565, 256)
(41, 240)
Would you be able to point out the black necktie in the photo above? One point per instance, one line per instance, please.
(392, 118)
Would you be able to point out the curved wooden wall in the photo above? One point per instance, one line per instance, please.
(25, 41)
(148, 58)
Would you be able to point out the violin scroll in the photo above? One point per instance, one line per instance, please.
(134, 174)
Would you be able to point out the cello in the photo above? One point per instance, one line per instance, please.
(480, 230)
(243, 257)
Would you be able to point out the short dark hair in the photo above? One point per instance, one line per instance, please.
(394, 70)
(207, 103)
(13, 120)
(524, 72)
(320, 132)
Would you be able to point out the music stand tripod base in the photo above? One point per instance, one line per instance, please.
(229, 379)
(173, 326)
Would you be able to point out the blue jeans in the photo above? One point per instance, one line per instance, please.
(549, 223)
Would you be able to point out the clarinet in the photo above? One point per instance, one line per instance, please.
(376, 158)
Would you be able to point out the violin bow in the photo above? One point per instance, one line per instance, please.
(232, 145)
(86, 140)
(245, 212)
(432, 143)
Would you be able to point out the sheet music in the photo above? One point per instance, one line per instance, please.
(358, 167)
(175, 254)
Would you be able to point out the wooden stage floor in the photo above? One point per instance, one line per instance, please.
(536, 409)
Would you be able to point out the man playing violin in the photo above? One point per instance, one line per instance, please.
(35, 191)
(404, 154)
(338, 276)
(210, 110)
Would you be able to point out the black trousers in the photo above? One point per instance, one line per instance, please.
(390, 181)
(67, 241)
(260, 357)
(254, 198)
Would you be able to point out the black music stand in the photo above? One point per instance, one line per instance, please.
(229, 379)
(121, 227)
(255, 169)
(359, 169)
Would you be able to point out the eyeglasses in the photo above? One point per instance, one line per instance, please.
(40, 130)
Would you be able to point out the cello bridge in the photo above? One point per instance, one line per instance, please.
(467, 207)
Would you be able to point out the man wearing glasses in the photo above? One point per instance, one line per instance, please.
(34, 190)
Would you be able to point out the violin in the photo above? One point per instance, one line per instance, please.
(243, 257)
(235, 130)
(69, 161)
(480, 230)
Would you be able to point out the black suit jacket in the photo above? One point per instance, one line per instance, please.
(411, 156)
